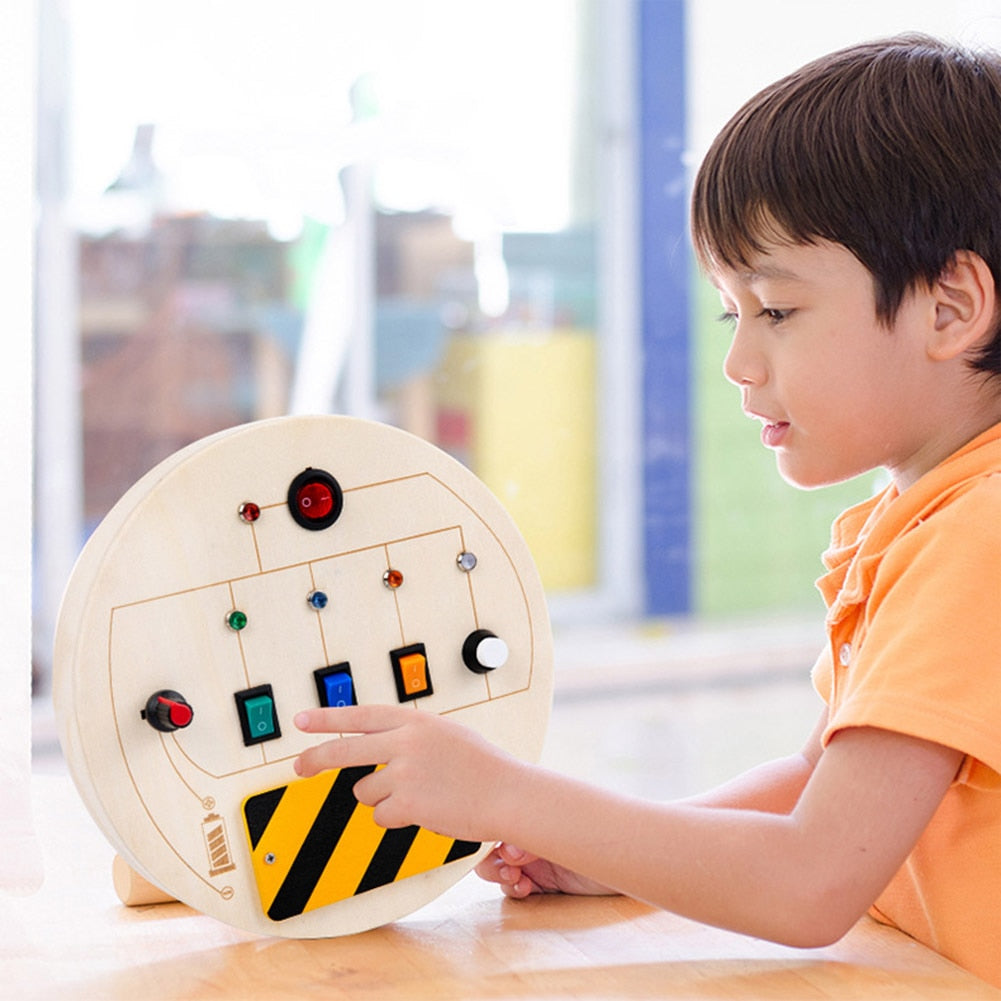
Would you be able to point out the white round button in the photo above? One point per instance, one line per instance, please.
(491, 652)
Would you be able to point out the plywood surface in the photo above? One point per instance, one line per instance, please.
(189, 637)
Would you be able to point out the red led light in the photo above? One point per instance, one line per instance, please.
(314, 500)
(249, 511)
(392, 579)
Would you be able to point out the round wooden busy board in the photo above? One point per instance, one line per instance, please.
(290, 563)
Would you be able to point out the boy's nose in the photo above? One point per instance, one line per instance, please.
(743, 365)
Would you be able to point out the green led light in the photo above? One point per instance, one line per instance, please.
(236, 620)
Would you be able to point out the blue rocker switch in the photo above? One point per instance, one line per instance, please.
(335, 686)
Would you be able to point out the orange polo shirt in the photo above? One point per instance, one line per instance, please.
(913, 591)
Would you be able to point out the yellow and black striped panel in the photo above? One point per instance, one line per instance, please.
(312, 844)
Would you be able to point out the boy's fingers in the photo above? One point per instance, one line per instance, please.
(495, 870)
(488, 868)
(352, 719)
(523, 888)
(514, 856)
(347, 752)
(372, 789)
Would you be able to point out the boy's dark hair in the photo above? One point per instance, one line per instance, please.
(890, 148)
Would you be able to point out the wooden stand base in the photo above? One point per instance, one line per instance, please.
(132, 889)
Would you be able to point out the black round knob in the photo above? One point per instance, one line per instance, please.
(483, 651)
(167, 710)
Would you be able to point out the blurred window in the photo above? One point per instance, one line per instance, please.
(385, 209)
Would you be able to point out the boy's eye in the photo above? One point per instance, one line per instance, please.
(775, 316)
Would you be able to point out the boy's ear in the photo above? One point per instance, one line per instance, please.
(965, 300)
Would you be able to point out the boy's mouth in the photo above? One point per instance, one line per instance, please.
(772, 435)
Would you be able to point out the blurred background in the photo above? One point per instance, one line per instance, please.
(466, 218)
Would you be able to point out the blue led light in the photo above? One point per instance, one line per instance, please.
(318, 599)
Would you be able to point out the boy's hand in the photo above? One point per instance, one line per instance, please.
(438, 774)
(521, 874)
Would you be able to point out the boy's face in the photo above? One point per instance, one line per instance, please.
(837, 392)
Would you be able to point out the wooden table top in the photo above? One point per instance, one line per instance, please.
(74, 940)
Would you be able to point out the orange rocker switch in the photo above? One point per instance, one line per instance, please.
(410, 669)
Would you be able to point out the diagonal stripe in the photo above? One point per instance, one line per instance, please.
(427, 852)
(317, 847)
(462, 849)
(388, 858)
(356, 846)
(258, 811)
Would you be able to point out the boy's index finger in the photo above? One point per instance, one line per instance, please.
(351, 719)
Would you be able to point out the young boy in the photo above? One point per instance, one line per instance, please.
(850, 216)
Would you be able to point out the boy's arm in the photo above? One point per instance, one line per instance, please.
(802, 877)
(774, 786)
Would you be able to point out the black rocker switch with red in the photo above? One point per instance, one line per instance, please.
(166, 710)
(315, 499)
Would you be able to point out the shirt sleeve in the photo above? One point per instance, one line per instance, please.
(929, 661)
